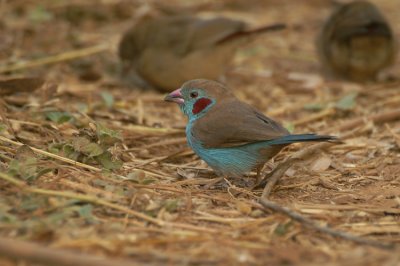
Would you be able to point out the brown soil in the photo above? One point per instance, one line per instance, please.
(154, 209)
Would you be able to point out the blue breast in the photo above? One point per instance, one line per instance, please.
(232, 161)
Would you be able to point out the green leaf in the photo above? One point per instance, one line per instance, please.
(106, 160)
(108, 98)
(59, 217)
(347, 102)
(171, 205)
(5, 216)
(106, 136)
(139, 176)
(86, 147)
(101, 183)
(3, 127)
(32, 203)
(43, 172)
(289, 126)
(59, 117)
(70, 152)
(29, 168)
(79, 143)
(82, 107)
(55, 147)
(93, 149)
(314, 106)
(39, 14)
(148, 181)
(26, 169)
(86, 212)
(282, 229)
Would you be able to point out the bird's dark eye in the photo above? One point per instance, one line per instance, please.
(194, 94)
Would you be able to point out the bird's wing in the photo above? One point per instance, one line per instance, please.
(187, 34)
(179, 35)
(208, 32)
(165, 33)
(234, 123)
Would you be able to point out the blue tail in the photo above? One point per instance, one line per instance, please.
(301, 138)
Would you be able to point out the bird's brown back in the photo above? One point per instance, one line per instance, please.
(231, 122)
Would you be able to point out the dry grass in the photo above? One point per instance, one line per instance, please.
(157, 208)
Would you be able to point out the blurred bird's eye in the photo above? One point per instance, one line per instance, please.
(193, 94)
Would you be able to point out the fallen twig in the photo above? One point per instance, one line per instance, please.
(314, 117)
(152, 130)
(395, 136)
(270, 180)
(160, 143)
(70, 55)
(63, 159)
(77, 196)
(35, 253)
(323, 229)
(52, 155)
(382, 117)
(98, 201)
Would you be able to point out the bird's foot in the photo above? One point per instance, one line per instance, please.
(258, 184)
(259, 179)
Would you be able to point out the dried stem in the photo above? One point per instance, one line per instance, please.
(35, 253)
(382, 117)
(323, 229)
(96, 200)
(51, 155)
(272, 178)
(70, 55)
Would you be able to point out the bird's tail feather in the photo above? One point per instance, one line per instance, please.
(241, 34)
(302, 138)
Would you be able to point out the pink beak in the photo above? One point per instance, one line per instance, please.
(175, 96)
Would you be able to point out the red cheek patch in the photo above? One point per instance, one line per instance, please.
(200, 104)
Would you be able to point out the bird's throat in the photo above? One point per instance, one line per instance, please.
(200, 105)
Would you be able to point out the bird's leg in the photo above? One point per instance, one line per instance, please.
(258, 176)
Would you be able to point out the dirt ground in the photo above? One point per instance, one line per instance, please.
(106, 170)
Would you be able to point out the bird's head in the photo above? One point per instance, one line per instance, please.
(197, 96)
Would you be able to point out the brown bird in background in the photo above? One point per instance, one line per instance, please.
(356, 43)
(165, 52)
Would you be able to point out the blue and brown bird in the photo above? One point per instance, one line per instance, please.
(232, 137)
